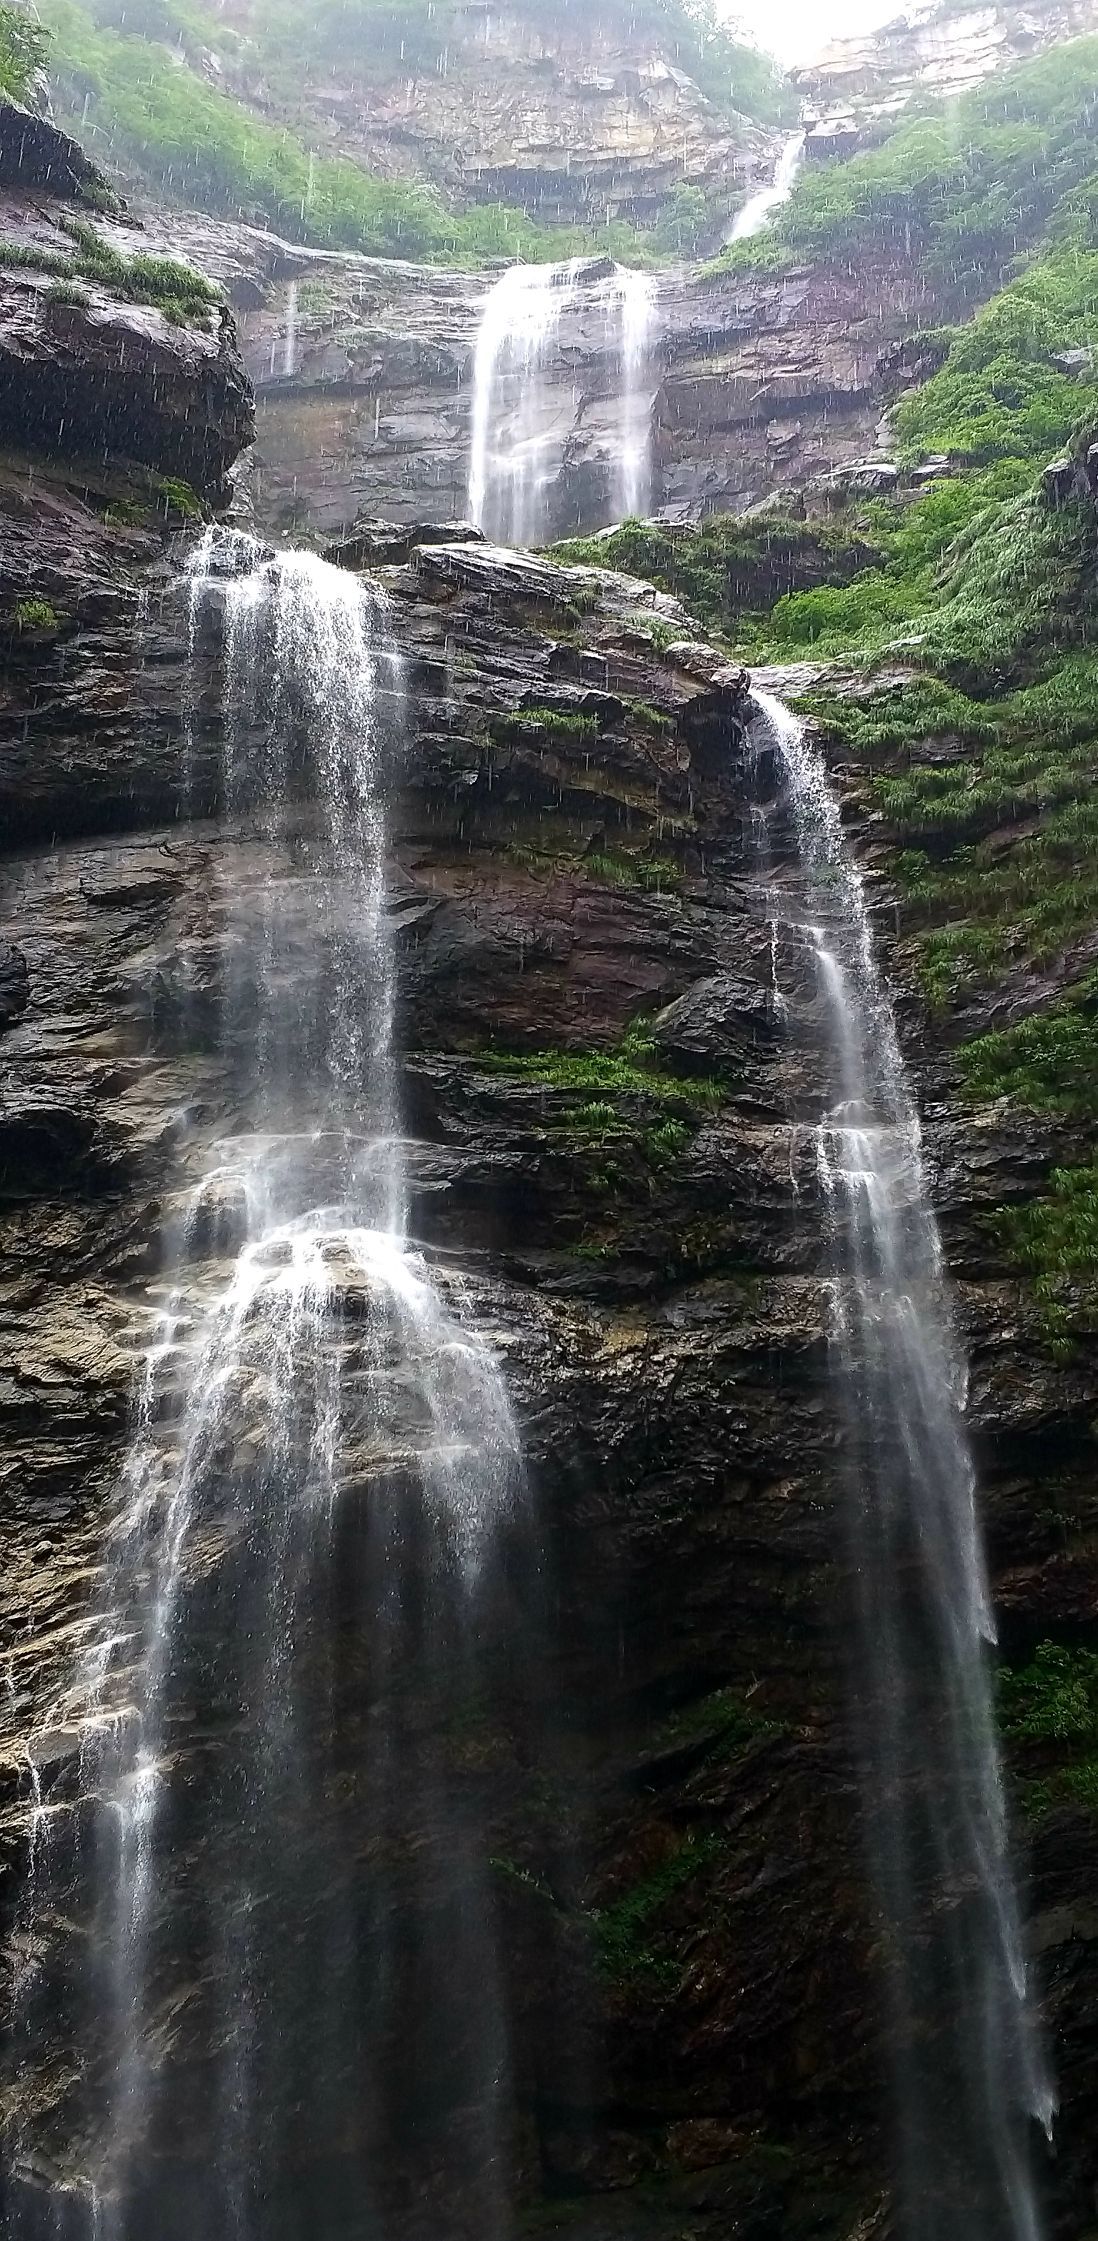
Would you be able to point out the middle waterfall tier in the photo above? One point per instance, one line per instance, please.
(533, 432)
(262, 1899)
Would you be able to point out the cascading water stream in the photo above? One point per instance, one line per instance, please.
(633, 312)
(267, 1842)
(968, 2069)
(521, 419)
(760, 207)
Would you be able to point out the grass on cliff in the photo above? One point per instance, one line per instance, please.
(631, 1070)
(150, 84)
(1046, 1062)
(24, 48)
(962, 186)
(1054, 1238)
(630, 1942)
(145, 104)
(724, 567)
(173, 288)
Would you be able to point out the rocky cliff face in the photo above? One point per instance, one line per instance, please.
(688, 1936)
(363, 373)
(105, 354)
(566, 114)
(690, 1948)
(933, 51)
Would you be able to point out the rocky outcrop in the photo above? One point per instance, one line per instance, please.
(935, 50)
(689, 1947)
(364, 377)
(555, 110)
(100, 358)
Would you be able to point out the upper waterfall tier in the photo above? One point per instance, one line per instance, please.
(523, 430)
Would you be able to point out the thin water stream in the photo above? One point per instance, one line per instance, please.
(969, 2076)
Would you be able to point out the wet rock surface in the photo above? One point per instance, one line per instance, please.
(363, 370)
(87, 373)
(690, 1947)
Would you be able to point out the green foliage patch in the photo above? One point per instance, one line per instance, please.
(630, 1070)
(24, 51)
(1046, 1062)
(173, 288)
(1049, 1709)
(962, 186)
(716, 568)
(627, 1938)
(144, 102)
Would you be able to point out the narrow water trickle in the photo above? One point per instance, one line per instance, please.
(260, 1913)
(760, 207)
(968, 2067)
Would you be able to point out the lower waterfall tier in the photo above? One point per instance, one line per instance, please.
(596, 1082)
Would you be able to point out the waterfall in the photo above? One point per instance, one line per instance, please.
(634, 304)
(515, 443)
(968, 2070)
(259, 1906)
(760, 206)
(289, 345)
(522, 419)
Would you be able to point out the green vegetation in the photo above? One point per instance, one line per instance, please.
(627, 1935)
(35, 615)
(653, 874)
(963, 186)
(173, 288)
(999, 394)
(725, 1719)
(1056, 1240)
(134, 81)
(564, 722)
(1049, 1709)
(629, 1070)
(724, 567)
(24, 51)
(141, 104)
(1046, 1062)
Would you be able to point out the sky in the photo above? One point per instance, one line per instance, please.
(798, 30)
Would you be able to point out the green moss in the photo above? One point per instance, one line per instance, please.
(627, 1938)
(726, 1718)
(629, 1070)
(650, 873)
(172, 288)
(563, 723)
(178, 497)
(645, 717)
